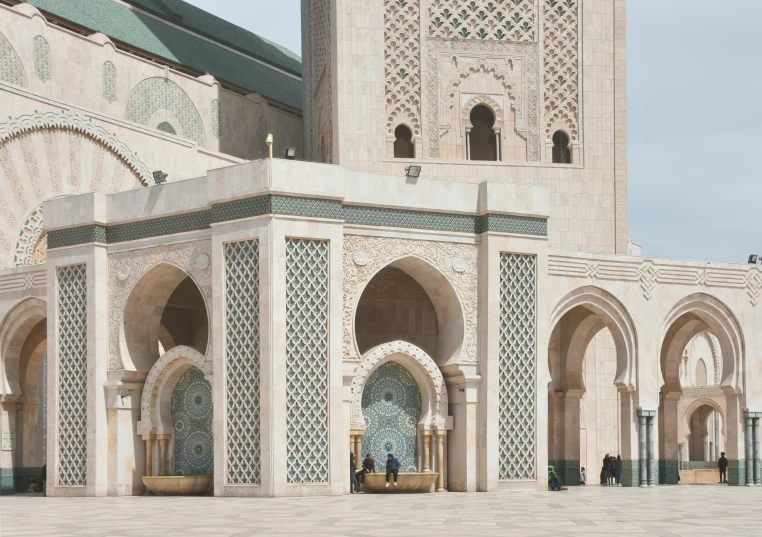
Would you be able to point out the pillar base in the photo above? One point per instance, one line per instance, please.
(630, 473)
(569, 471)
(7, 481)
(736, 472)
(668, 473)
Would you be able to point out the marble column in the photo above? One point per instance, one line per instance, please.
(755, 435)
(358, 450)
(440, 461)
(716, 435)
(426, 451)
(163, 456)
(149, 457)
(749, 450)
(651, 450)
(642, 444)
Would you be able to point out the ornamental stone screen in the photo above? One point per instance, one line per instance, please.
(307, 360)
(391, 405)
(242, 361)
(517, 359)
(72, 375)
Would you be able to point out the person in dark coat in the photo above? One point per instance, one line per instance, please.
(555, 482)
(392, 467)
(44, 478)
(612, 471)
(368, 466)
(723, 464)
(606, 470)
(353, 475)
(618, 469)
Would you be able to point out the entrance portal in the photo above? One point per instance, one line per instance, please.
(391, 405)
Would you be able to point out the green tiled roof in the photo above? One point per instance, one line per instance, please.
(121, 23)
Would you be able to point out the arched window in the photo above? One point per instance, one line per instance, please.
(403, 143)
(701, 373)
(561, 151)
(482, 139)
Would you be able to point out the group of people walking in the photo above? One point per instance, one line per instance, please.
(357, 477)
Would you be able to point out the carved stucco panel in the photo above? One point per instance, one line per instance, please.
(379, 252)
(126, 268)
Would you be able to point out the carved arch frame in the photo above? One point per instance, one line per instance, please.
(156, 401)
(14, 330)
(364, 256)
(434, 398)
(126, 269)
(489, 102)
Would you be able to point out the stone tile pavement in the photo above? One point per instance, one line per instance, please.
(686, 511)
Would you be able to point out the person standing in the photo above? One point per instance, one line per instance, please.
(44, 479)
(582, 476)
(353, 483)
(606, 469)
(723, 464)
(618, 469)
(392, 467)
(612, 471)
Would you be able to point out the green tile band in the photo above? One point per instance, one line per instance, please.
(302, 207)
(630, 473)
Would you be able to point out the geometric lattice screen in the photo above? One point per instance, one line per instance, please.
(517, 366)
(307, 360)
(242, 361)
(72, 375)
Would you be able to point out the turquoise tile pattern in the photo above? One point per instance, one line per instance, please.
(192, 417)
(737, 472)
(307, 361)
(296, 206)
(242, 361)
(668, 473)
(391, 406)
(156, 37)
(516, 366)
(7, 482)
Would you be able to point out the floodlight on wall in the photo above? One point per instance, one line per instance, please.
(290, 153)
(159, 177)
(413, 171)
(754, 259)
(269, 142)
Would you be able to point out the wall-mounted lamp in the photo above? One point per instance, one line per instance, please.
(289, 153)
(754, 259)
(413, 171)
(269, 142)
(159, 177)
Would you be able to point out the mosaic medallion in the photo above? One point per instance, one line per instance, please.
(391, 405)
(192, 416)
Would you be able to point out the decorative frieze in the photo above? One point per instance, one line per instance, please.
(650, 274)
(502, 20)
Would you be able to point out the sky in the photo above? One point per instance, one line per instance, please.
(693, 79)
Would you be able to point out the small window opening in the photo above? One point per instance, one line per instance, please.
(561, 151)
(483, 141)
(166, 127)
(403, 143)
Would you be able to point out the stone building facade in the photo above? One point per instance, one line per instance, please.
(257, 319)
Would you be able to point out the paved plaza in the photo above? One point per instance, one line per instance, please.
(685, 511)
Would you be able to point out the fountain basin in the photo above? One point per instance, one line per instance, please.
(179, 485)
(407, 482)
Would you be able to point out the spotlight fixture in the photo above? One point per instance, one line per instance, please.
(413, 171)
(290, 153)
(160, 177)
(754, 259)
